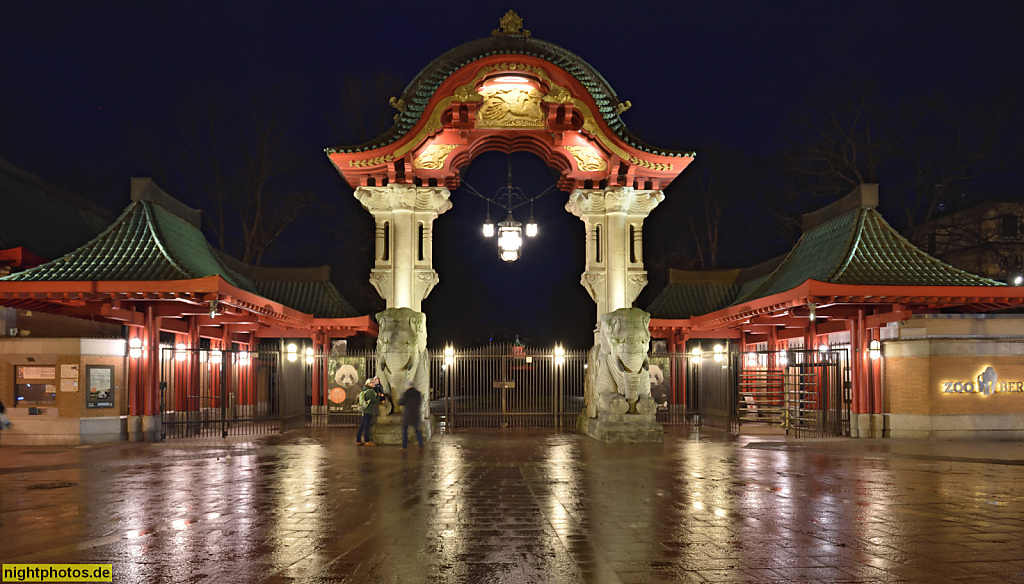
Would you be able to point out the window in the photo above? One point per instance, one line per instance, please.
(421, 233)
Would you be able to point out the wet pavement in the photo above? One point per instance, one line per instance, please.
(521, 506)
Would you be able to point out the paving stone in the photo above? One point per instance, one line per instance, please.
(532, 507)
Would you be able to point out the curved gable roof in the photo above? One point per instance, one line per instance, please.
(421, 89)
(145, 243)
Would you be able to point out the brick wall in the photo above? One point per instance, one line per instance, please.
(912, 381)
(72, 404)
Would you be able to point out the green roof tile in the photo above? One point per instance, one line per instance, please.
(145, 243)
(857, 247)
(438, 70)
(860, 247)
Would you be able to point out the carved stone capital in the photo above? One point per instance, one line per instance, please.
(613, 200)
(381, 280)
(424, 283)
(594, 282)
(434, 200)
(635, 282)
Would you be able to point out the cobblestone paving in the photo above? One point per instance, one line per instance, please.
(531, 507)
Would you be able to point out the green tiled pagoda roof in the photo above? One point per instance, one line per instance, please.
(308, 290)
(860, 248)
(42, 218)
(157, 238)
(846, 243)
(146, 243)
(420, 91)
(679, 300)
(317, 297)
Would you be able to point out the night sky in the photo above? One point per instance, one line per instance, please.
(85, 87)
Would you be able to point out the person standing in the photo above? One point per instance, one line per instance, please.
(411, 402)
(368, 401)
(4, 422)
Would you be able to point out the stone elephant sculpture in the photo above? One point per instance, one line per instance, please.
(618, 372)
(402, 354)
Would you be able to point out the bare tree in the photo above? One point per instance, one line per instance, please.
(842, 138)
(952, 146)
(241, 166)
(365, 111)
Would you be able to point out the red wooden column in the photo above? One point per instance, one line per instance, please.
(225, 363)
(135, 381)
(876, 376)
(151, 365)
(855, 369)
(314, 374)
(325, 350)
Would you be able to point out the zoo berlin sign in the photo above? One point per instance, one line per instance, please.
(987, 383)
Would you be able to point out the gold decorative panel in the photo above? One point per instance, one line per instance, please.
(510, 106)
(587, 159)
(433, 156)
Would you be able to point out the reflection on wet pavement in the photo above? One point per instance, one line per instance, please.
(515, 506)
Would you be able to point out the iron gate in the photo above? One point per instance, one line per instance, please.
(807, 392)
(804, 392)
(505, 386)
(213, 393)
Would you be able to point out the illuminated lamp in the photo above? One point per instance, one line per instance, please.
(181, 352)
(135, 348)
(243, 358)
(719, 353)
(695, 354)
(823, 348)
(531, 225)
(216, 356)
(292, 352)
(510, 239)
(449, 355)
(559, 355)
(875, 350)
(783, 358)
(750, 359)
(488, 226)
(309, 355)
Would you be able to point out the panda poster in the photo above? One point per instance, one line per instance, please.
(660, 381)
(346, 375)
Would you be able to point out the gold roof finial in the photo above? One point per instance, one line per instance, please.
(511, 25)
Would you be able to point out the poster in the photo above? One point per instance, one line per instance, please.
(346, 376)
(100, 383)
(660, 380)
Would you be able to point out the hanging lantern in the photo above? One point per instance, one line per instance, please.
(510, 238)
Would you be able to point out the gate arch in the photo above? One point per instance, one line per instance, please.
(509, 92)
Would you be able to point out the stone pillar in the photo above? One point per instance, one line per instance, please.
(613, 217)
(403, 271)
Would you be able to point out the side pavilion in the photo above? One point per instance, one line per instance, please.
(853, 280)
(153, 272)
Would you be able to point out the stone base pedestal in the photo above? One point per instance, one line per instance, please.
(134, 428)
(152, 429)
(621, 429)
(867, 426)
(388, 430)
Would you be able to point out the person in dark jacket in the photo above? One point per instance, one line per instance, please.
(411, 402)
(368, 401)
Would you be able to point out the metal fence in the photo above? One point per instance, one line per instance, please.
(508, 386)
(804, 393)
(496, 386)
(213, 393)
